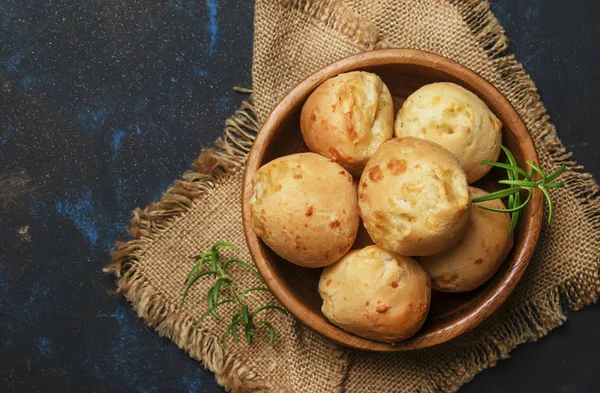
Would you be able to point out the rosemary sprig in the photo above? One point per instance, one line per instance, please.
(518, 180)
(209, 263)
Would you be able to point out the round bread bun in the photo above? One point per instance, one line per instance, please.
(456, 119)
(304, 209)
(478, 254)
(414, 197)
(376, 294)
(347, 118)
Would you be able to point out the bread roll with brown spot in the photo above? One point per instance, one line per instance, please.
(347, 118)
(376, 294)
(304, 208)
(414, 197)
(478, 254)
(456, 119)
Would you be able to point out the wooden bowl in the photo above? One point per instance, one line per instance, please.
(403, 71)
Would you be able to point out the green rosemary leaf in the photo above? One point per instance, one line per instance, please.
(511, 198)
(515, 216)
(236, 320)
(245, 315)
(218, 269)
(245, 291)
(217, 305)
(218, 245)
(556, 173)
(269, 327)
(214, 258)
(537, 169)
(495, 195)
(269, 306)
(514, 221)
(207, 313)
(521, 183)
(510, 168)
(248, 332)
(510, 209)
(211, 303)
(513, 171)
(550, 207)
(512, 175)
(198, 266)
(243, 263)
(202, 256)
(192, 281)
(209, 297)
(217, 288)
(191, 273)
(509, 156)
(237, 316)
(511, 201)
(233, 328)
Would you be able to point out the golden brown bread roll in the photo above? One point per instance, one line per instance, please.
(304, 209)
(456, 119)
(347, 118)
(414, 197)
(479, 253)
(376, 294)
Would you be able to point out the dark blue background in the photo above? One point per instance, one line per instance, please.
(104, 102)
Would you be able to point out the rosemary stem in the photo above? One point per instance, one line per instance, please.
(244, 316)
(222, 274)
(515, 184)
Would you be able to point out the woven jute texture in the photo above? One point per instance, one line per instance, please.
(293, 38)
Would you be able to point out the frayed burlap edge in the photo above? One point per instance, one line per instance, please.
(535, 318)
(529, 322)
(213, 167)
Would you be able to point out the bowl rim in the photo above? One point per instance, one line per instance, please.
(531, 221)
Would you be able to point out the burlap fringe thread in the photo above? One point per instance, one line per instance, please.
(215, 165)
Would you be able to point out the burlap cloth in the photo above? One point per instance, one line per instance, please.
(292, 39)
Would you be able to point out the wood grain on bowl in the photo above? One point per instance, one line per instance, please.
(403, 71)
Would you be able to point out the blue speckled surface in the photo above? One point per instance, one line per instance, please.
(103, 103)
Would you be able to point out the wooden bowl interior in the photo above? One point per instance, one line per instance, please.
(450, 314)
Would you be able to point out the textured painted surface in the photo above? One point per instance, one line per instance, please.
(104, 102)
